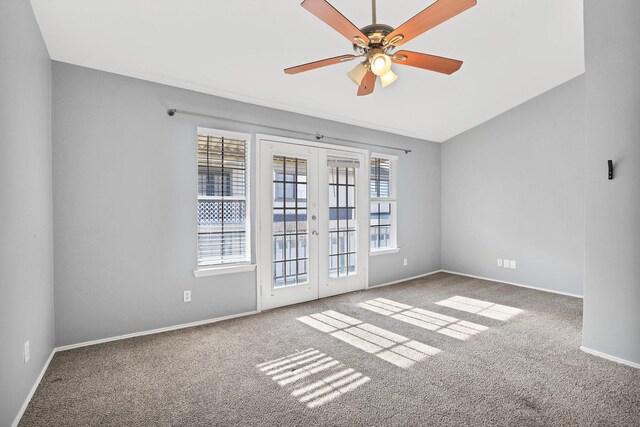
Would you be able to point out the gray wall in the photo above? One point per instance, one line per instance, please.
(124, 204)
(513, 188)
(26, 272)
(612, 274)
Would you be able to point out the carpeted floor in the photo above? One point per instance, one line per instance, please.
(441, 350)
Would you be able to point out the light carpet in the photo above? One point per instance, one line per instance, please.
(441, 350)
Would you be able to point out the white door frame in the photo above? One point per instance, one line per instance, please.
(364, 195)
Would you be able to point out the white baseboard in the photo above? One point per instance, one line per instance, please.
(405, 279)
(609, 357)
(513, 283)
(153, 331)
(23, 408)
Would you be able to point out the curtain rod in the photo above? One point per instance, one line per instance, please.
(173, 111)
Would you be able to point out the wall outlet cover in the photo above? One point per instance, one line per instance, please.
(404, 262)
(505, 263)
(187, 296)
(27, 352)
(512, 264)
(499, 262)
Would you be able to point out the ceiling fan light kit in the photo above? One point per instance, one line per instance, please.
(380, 63)
(376, 43)
(387, 78)
(358, 73)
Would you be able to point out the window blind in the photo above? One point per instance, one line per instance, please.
(222, 200)
(382, 177)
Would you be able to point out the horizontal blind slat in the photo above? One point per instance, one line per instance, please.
(381, 178)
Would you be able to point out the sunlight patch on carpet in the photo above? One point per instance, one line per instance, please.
(388, 346)
(446, 325)
(298, 373)
(481, 308)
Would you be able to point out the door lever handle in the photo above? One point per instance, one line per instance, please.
(314, 232)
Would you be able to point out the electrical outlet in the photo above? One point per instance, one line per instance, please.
(187, 296)
(505, 263)
(499, 262)
(27, 352)
(404, 262)
(512, 264)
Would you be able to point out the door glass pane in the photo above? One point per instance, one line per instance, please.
(342, 221)
(290, 227)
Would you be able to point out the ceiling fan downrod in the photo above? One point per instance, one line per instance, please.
(373, 12)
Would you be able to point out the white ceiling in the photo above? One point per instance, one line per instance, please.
(512, 50)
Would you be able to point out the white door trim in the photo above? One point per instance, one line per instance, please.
(259, 261)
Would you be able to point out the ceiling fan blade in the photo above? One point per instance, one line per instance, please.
(330, 15)
(367, 84)
(427, 62)
(436, 14)
(319, 64)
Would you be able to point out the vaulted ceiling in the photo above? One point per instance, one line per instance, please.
(512, 50)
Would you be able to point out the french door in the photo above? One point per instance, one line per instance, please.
(313, 221)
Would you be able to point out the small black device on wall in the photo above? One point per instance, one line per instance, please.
(610, 168)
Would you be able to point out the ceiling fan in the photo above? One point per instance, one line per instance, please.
(376, 43)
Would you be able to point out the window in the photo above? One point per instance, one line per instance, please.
(382, 229)
(223, 211)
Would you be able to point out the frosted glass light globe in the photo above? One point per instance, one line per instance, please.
(380, 64)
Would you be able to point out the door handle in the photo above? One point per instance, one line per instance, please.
(314, 232)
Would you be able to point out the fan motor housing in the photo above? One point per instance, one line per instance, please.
(376, 34)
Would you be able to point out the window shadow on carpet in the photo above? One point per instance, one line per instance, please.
(481, 308)
(299, 373)
(391, 347)
(446, 325)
